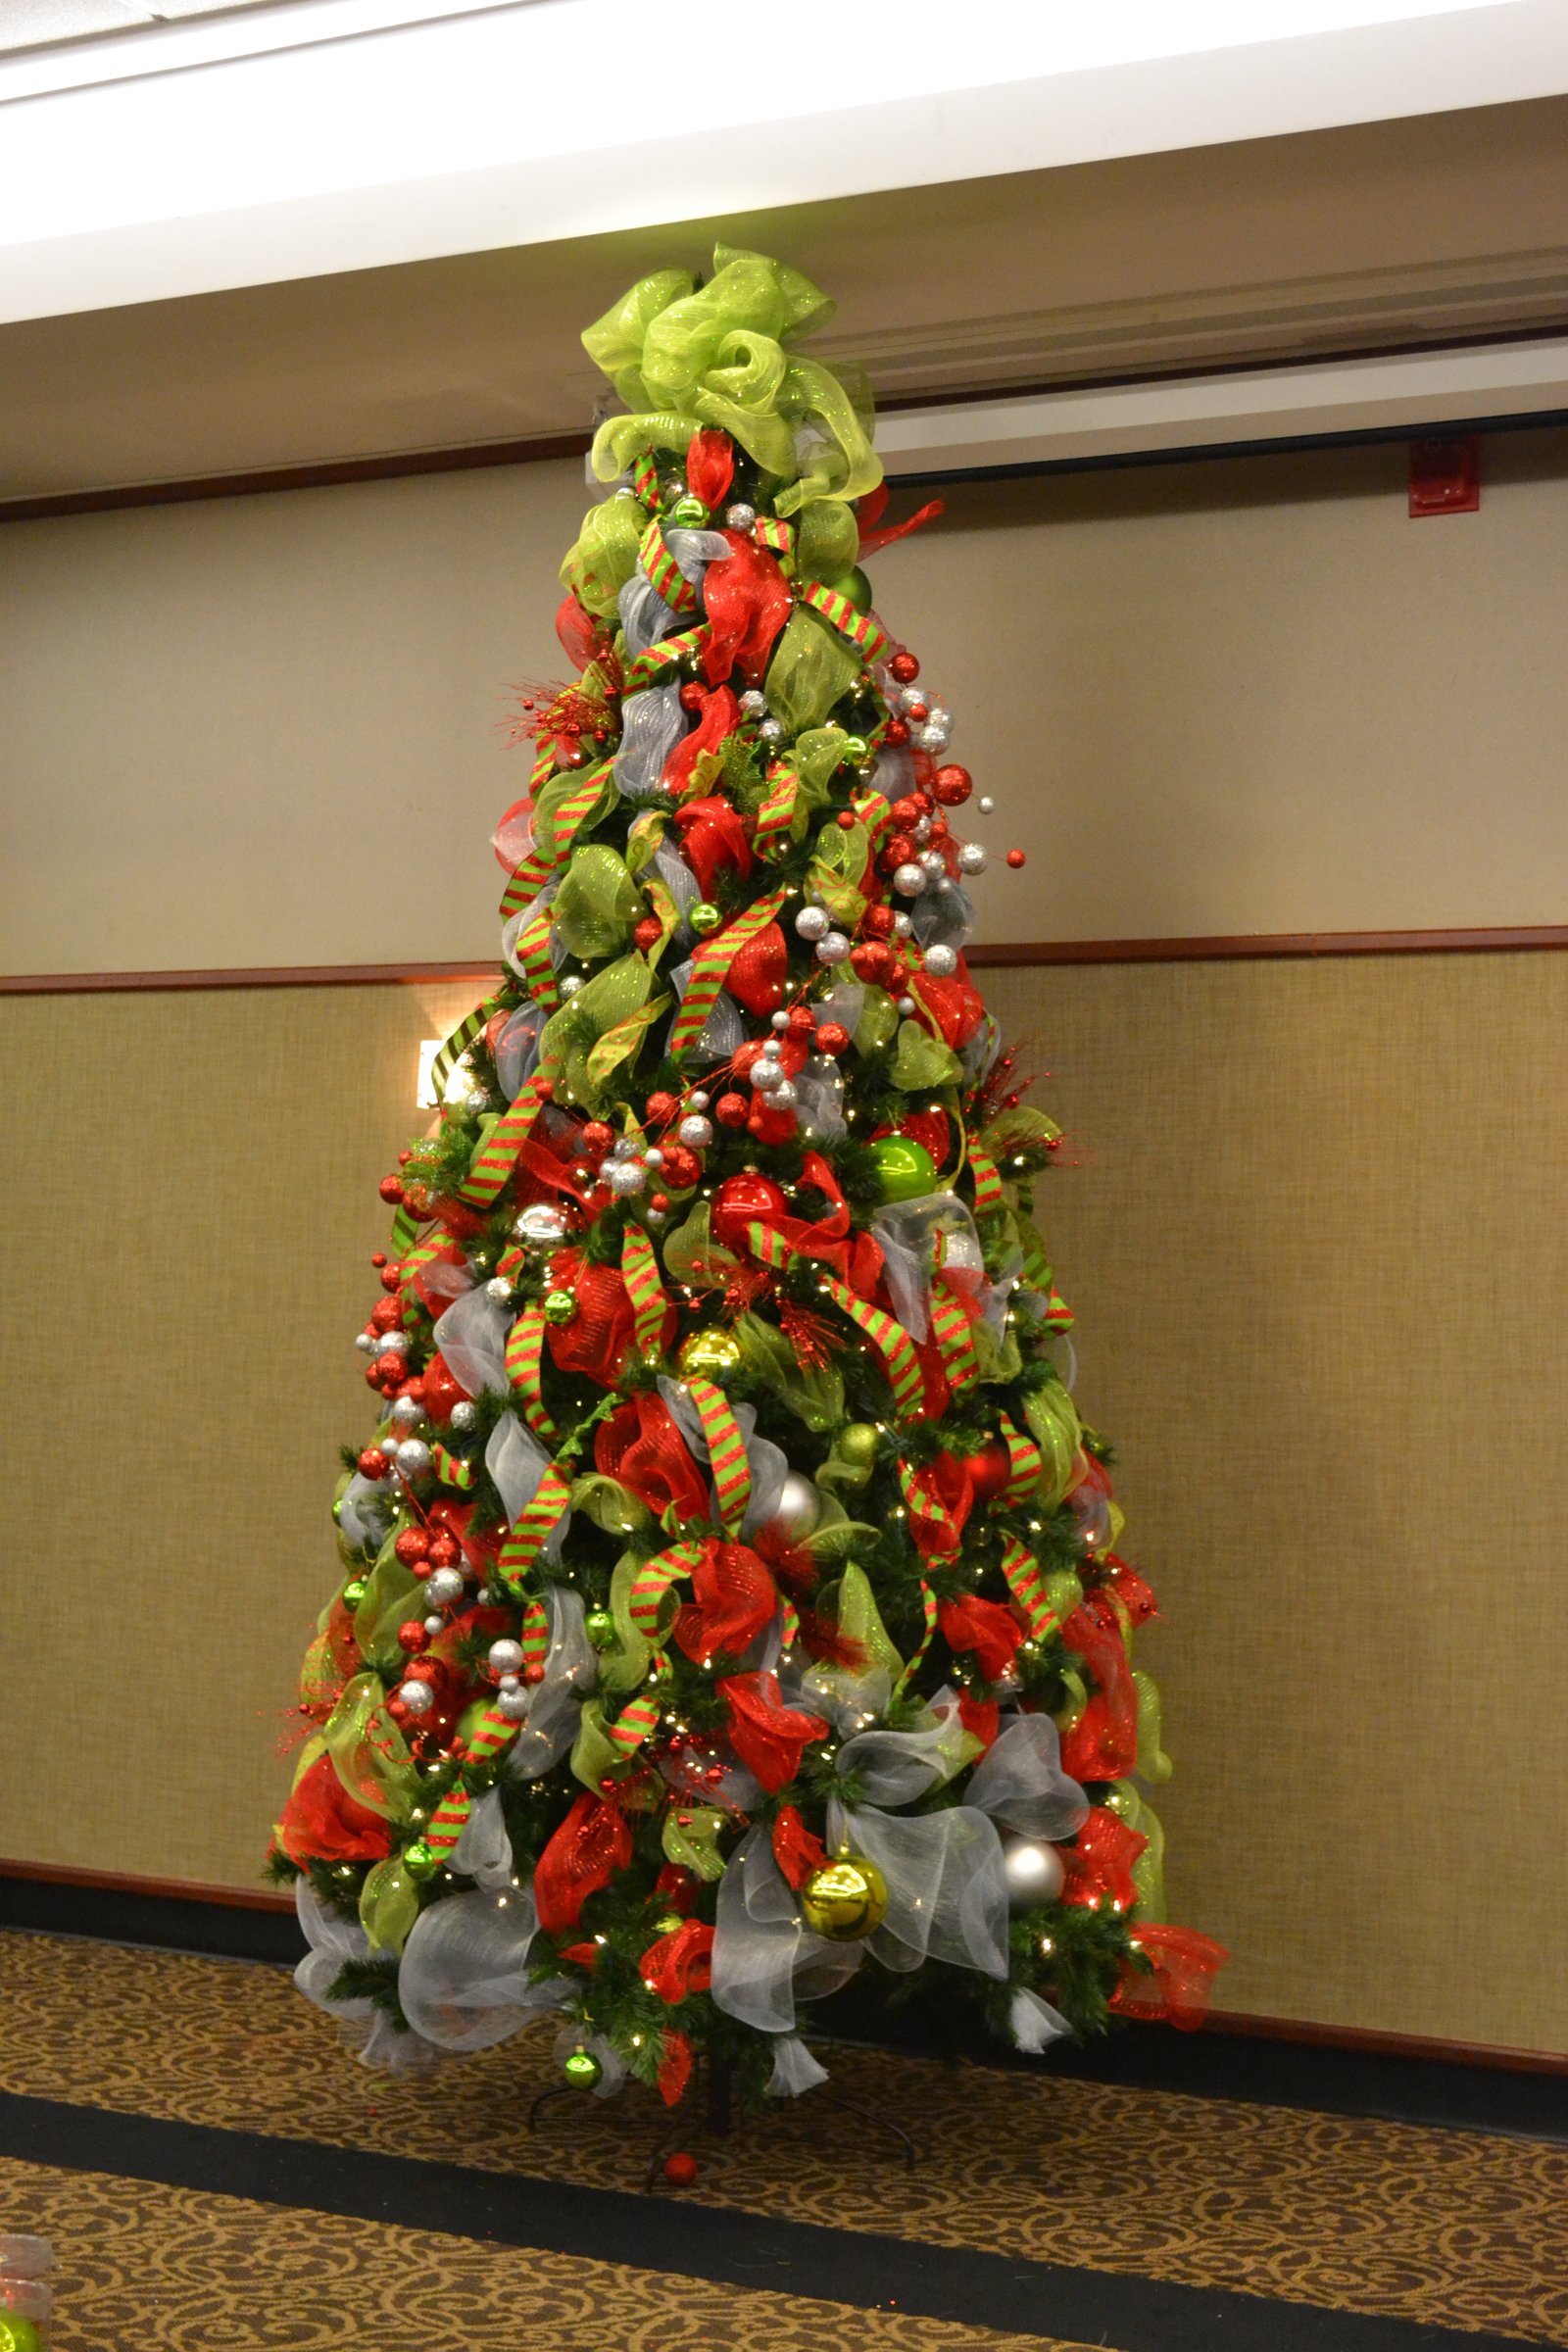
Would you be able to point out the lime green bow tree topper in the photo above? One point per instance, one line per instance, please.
(731, 1613)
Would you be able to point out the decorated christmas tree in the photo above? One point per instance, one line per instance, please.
(731, 1604)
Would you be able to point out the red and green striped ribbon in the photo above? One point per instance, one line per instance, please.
(404, 1226)
(645, 479)
(668, 580)
(865, 635)
(888, 1337)
(775, 816)
(527, 875)
(875, 812)
(639, 1270)
(497, 1155)
(535, 1636)
(727, 1451)
(633, 1724)
(653, 1580)
(457, 1044)
(531, 953)
(1026, 1462)
(660, 660)
(774, 533)
(451, 1469)
(547, 856)
(954, 1336)
(418, 1259)
(528, 1533)
(988, 1193)
(1059, 1314)
(491, 1735)
(1028, 1587)
(709, 966)
(928, 1607)
(448, 1821)
(525, 1343)
(924, 1501)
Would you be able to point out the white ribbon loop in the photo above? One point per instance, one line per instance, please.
(894, 1768)
(1020, 1781)
(472, 1338)
(464, 1983)
(555, 1704)
(947, 1889)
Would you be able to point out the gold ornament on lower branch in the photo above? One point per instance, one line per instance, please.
(845, 1898)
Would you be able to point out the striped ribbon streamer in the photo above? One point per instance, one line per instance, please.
(869, 639)
(418, 1259)
(920, 1490)
(654, 1579)
(547, 856)
(669, 581)
(888, 1337)
(770, 833)
(525, 1343)
(448, 1821)
(639, 1270)
(1059, 1314)
(1027, 1587)
(633, 1724)
(497, 1155)
(789, 1622)
(954, 1336)
(528, 1533)
(1026, 1462)
(645, 479)
(451, 1469)
(669, 654)
(928, 1608)
(709, 966)
(531, 953)
(404, 1226)
(727, 1451)
(535, 1636)
(774, 533)
(875, 812)
(988, 1192)
(526, 877)
(457, 1044)
(493, 1732)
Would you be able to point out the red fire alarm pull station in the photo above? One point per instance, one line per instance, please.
(1445, 476)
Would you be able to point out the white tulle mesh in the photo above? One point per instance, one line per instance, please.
(516, 1461)
(512, 838)
(441, 1279)
(1020, 1781)
(794, 2069)
(472, 1338)
(388, 2050)
(653, 723)
(849, 1700)
(682, 883)
(723, 1032)
(844, 1003)
(978, 1056)
(644, 614)
(757, 1939)
(943, 919)
(516, 925)
(769, 1467)
(332, 1940)
(463, 1982)
(364, 1511)
(894, 1768)
(694, 551)
(909, 1234)
(555, 1704)
(947, 1889)
(516, 1048)
(892, 772)
(819, 1093)
(484, 1851)
(1035, 2025)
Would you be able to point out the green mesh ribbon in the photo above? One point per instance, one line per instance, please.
(922, 1062)
(368, 1751)
(598, 904)
(1054, 1425)
(601, 1010)
(389, 1905)
(682, 357)
(815, 1397)
(604, 555)
(811, 668)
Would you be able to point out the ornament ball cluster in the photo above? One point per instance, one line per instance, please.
(731, 1603)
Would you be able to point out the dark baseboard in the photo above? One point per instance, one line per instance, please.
(1273, 2061)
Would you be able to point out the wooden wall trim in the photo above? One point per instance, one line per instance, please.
(1261, 944)
(1369, 2041)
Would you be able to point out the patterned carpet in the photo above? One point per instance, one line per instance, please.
(1455, 2230)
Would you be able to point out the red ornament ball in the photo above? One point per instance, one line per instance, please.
(1016, 858)
(662, 1108)
(952, 785)
(373, 1463)
(533, 1674)
(378, 1258)
(895, 733)
(388, 1372)
(412, 1633)
(648, 932)
(391, 1275)
(803, 1021)
(904, 811)
(691, 695)
(391, 1189)
(905, 668)
(445, 1551)
(412, 1545)
(989, 1470)
(681, 1167)
(597, 1137)
(877, 922)
(743, 1200)
(545, 1089)
(658, 1203)
(730, 1110)
(404, 1158)
(898, 850)
(386, 1315)
(847, 820)
(831, 1038)
(680, 2170)
(873, 962)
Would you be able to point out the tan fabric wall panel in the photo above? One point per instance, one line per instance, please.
(1313, 1234)
(1246, 696)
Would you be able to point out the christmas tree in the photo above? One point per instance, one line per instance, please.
(731, 1601)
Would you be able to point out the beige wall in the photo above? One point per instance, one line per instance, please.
(1246, 696)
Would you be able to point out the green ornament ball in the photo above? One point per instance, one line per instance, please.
(857, 1445)
(337, 1512)
(600, 1628)
(582, 2070)
(561, 1307)
(353, 1594)
(18, 2334)
(855, 750)
(703, 917)
(905, 1169)
(857, 587)
(420, 1860)
(688, 513)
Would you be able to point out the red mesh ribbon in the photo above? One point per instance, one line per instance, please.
(718, 718)
(757, 976)
(599, 1338)
(928, 1128)
(746, 600)
(322, 1823)
(714, 841)
(981, 1718)
(675, 2068)
(710, 466)
(545, 1161)
(765, 1735)
(591, 1845)
(441, 1390)
(940, 1498)
(641, 1445)
(855, 1257)
(679, 1963)
(733, 1599)
(938, 1392)
(1181, 1981)
(1136, 1596)
(870, 509)
(956, 1006)
(984, 1628)
(794, 1849)
(579, 637)
(1100, 1865)
(1103, 1744)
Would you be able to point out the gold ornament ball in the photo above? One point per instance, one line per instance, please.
(420, 1860)
(560, 1307)
(857, 1444)
(703, 917)
(710, 1354)
(845, 1899)
(582, 2070)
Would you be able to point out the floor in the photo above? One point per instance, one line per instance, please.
(218, 2174)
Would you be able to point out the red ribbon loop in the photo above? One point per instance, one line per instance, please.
(746, 600)
(714, 841)
(766, 1735)
(710, 466)
(590, 1847)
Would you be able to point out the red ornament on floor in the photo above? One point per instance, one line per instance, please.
(680, 2170)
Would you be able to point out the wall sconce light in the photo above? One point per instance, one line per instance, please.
(425, 1096)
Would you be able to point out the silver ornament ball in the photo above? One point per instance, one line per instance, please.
(512, 1704)
(541, 1222)
(505, 1657)
(812, 922)
(464, 1415)
(798, 1508)
(393, 1343)
(972, 858)
(364, 1341)
(1033, 1871)
(408, 1413)
(783, 1096)
(753, 702)
(832, 948)
(625, 1177)
(984, 803)
(771, 730)
(478, 1102)
(499, 1289)
(740, 517)
(910, 880)
(418, 1697)
(907, 1006)
(443, 1586)
(436, 1625)
(696, 1133)
(571, 984)
(413, 1457)
(766, 1074)
(941, 962)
